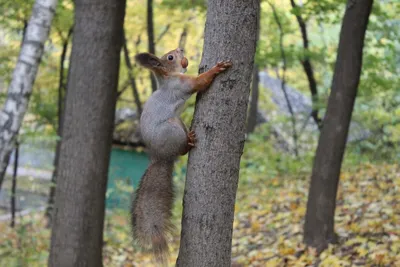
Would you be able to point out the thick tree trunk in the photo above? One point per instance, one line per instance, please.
(150, 34)
(77, 231)
(319, 221)
(23, 78)
(220, 125)
(253, 110)
(60, 111)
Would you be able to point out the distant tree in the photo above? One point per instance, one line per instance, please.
(150, 35)
(24, 75)
(253, 110)
(319, 221)
(220, 125)
(77, 230)
(307, 66)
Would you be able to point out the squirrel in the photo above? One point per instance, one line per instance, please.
(166, 137)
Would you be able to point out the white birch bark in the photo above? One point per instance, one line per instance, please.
(24, 75)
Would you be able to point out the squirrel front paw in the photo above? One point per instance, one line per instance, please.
(191, 139)
(222, 66)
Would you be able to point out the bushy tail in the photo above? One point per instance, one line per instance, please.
(152, 207)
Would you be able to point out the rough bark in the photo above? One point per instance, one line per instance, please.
(60, 112)
(319, 221)
(253, 110)
(150, 35)
(24, 75)
(220, 125)
(87, 133)
(308, 68)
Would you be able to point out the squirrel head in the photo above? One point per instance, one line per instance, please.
(172, 62)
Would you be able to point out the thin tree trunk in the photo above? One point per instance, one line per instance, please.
(135, 92)
(163, 33)
(183, 37)
(14, 185)
(319, 221)
(60, 109)
(283, 80)
(150, 34)
(252, 117)
(24, 75)
(308, 68)
(77, 230)
(220, 125)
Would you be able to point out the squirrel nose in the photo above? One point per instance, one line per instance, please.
(179, 50)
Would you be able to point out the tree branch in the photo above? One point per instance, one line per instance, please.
(128, 63)
(308, 68)
(283, 78)
(163, 33)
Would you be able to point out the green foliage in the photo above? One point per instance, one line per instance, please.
(263, 164)
(185, 4)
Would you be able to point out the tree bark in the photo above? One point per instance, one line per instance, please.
(60, 114)
(23, 78)
(220, 125)
(319, 221)
(150, 34)
(252, 117)
(87, 133)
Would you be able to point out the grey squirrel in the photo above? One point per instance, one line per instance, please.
(166, 137)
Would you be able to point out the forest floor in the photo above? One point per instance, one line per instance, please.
(268, 225)
(269, 217)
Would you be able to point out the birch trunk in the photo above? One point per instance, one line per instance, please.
(23, 78)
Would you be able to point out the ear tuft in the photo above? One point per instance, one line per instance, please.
(148, 60)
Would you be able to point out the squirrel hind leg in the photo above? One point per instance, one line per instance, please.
(171, 140)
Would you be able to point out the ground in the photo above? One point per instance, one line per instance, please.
(268, 225)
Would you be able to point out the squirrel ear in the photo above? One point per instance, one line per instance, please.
(149, 61)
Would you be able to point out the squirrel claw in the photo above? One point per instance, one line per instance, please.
(223, 65)
(191, 138)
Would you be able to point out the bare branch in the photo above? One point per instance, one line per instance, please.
(283, 78)
(308, 68)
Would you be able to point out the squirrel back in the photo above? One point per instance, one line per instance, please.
(166, 137)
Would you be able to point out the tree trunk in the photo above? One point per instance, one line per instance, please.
(60, 112)
(283, 79)
(252, 117)
(319, 221)
(136, 96)
(14, 185)
(87, 133)
(220, 125)
(23, 78)
(150, 34)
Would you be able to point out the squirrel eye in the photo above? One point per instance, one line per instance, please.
(170, 57)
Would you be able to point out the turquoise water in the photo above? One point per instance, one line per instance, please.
(125, 170)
